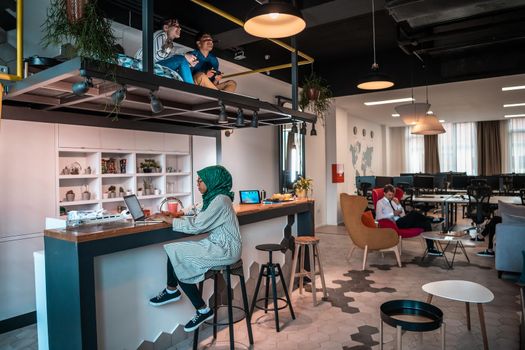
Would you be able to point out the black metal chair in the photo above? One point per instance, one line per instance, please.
(233, 269)
(522, 195)
(478, 207)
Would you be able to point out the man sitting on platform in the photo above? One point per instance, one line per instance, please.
(166, 54)
(389, 207)
(206, 71)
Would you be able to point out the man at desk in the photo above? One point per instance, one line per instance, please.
(206, 72)
(389, 208)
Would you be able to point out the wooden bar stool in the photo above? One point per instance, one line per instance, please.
(301, 243)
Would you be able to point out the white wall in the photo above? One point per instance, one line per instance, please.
(395, 152)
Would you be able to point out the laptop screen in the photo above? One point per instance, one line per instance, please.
(250, 197)
(133, 204)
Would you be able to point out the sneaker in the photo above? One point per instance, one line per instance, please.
(197, 320)
(164, 298)
(486, 253)
(434, 252)
(478, 239)
(437, 220)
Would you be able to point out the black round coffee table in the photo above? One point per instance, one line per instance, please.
(413, 316)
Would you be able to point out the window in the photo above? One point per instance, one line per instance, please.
(517, 145)
(414, 152)
(458, 148)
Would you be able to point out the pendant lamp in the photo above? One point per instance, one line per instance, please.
(410, 113)
(275, 19)
(428, 125)
(375, 80)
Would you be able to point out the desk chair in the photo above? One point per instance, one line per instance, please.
(522, 196)
(478, 207)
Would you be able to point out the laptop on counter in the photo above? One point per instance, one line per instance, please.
(135, 210)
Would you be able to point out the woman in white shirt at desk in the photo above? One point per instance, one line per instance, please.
(389, 208)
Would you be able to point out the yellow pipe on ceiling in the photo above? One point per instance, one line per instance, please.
(307, 59)
(19, 45)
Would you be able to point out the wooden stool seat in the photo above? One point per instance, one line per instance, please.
(306, 240)
(307, 245)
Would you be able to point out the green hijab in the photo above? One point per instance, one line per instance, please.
(218, 180)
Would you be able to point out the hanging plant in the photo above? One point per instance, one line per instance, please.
(80, 23)
(316, 95)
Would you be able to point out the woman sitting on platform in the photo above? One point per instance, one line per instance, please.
(189, 261)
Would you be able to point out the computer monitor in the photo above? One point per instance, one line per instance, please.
(518, 182)
(403, 179)
(382, 181)
(460, 182)
(440, 180)
(369, 179)
(494, 181)
(425, 182)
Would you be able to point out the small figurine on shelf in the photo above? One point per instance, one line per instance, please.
(121, 191)
(123, 166)
(111, 191)
(112, 169)
(104, 166)
(70, 196)
(87, 171)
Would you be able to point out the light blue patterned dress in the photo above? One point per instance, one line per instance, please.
(192, 259)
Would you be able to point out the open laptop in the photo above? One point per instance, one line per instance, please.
(133, 204)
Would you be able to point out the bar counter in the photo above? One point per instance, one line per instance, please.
(78, 263)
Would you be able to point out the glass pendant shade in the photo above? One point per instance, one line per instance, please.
(274, 20)
(428, 125)
(411, 112)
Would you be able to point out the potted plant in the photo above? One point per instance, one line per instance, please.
(302, 186)
(81, 23)
(316, 95)
(111, 191)
(150, 166)
(70, 196)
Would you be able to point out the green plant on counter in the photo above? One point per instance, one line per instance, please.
(303, 184)
(81, 23)
(316, 95)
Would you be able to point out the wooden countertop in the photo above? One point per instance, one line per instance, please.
(116, 229)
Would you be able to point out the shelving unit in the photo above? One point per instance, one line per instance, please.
(107, 168)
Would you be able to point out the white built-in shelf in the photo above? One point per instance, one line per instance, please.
(117, 175)
(66, 203)
(178, 174)
(152, 196)
(109, 200)
(149, 174)
(178, 194)
(91, 176)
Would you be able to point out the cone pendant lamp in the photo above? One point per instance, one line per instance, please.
(428, 125)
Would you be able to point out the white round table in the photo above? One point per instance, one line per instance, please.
(464, 291)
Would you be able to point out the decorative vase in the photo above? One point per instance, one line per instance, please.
(86, 196)
(139, 193)
(70, 197)
(301, 193)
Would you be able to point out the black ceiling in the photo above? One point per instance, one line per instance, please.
(456, 39)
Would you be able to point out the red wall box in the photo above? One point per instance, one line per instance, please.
(338, 173)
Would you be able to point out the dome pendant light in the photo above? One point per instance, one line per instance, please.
(375, 80)
(275, 19)
(428, 124)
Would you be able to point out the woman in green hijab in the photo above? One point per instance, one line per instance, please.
(189, 261)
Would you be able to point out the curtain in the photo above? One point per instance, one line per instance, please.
(458, 148)
(414, 152)
(489, 148)
(517, 145)
(431, 154)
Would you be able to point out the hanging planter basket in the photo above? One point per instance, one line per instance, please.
(313, 94)
(75, 10)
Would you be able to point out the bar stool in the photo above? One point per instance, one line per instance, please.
(233, 269)
(268, 270)
(301, 243)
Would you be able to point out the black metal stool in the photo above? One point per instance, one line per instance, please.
(233, 269)
(270, 274)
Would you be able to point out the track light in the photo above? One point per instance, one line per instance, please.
(294, 128)
(81, 87)
(303, 128)
(239, 122)
(156, 105)
(313, 132)
(118, 96)
(255, 119)
(223, 117)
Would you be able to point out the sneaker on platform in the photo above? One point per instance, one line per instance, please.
(434, 252)
(164, 298)
(486, 253)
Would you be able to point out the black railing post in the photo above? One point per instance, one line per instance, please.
(147, 36)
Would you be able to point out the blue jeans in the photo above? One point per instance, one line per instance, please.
(179, 64)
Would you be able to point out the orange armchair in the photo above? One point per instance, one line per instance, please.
(382, 239)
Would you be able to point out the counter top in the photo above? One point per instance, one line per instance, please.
(247, 213)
